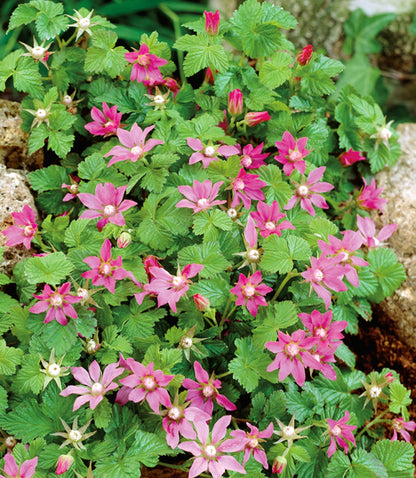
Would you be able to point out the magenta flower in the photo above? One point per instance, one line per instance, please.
(105, 122)
(203, 392)
(63, 464)
(399, 425)
(368, 230)
(256, 117)
(350, 157)
(322, 328)
(145, 65)
(235, 102)
(247, 187)
(252, 157)
(135, 144)
(369, 197)
(325, 273)
(306, 193)
(144, 383)
(250, 292)
(251, 443)
(57, 303)
(24, 229)
(107, 203)
(212, 22)
(72, 191)
(291, 153)
(201, 196)
(267, 219)
(292, 355)
(105, 270)
(25, 470)
(169, 288)
(208, 153)
(304, 57)
(94, 384)
(340, 433)
(211, 454)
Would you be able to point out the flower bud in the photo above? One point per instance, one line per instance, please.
(124, 239)
(201, 302)
(255, 117)
(212, 22)
(235, 102)
(389, 377)
(92, 346)
(64, 464)
(209, 77)
(279, 464)
(150, 261)
(304, 57)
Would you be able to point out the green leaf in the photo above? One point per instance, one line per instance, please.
(202, 56)
(208, 223)
(7, 66)
(399, 399)
(396, 456)
(3, 400)
(316, 77)
(29, 377)
(207, 254)
(48, 27)
(52, 269)
(389, 272)
(61, 143)
(138, 321)
(280, 253)
(37, 139)
(366, 465)
(215, 290)
(301, 404)
(346, 355)
(48, 178)
(22, 15)
(277, 70)
(338, 466)
(277, 189)
(26, 77)
(102, 414)
(10, 358)
(148, 447)
(280, 317)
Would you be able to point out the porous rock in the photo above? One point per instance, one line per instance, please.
(399, 188)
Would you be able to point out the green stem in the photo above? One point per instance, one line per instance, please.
(225, 317)
(175, 467)
(240, 63)
(223, 374)
(284, 282)
(373, 422)
(227, 305)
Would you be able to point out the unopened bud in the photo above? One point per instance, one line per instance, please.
(201, 302)
(64, 464)
(124, 239)
(279, 464)
(235, 102)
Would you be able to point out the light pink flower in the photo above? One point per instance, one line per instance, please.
(368, 229)
(252, 157)
(25, 470)
(107, 203)
(204, 391)
(212, 22)
(340, 433)
(135, 144)
(292, 355)
(145, 65)
(325, 273)
(247, 187)
(304, 57)
(250, 292)
(350, 157)
(144, 383)
(169, 288)
(57, 303)
(254, 118)
(94, 384)
(322, 328)
(369, 197)
(105, 122)
(291, 153)
(308, 194)
(399, 425)
(211, 453)
(201, 196)
(235, 102)
(24, 229)
(251, 443)
(72, 191)
(209, 152)
(267, 219)
(105, 270)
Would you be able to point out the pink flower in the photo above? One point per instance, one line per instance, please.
(246, 187)
(201, 302)
(235, 102)
(320, 326)
(27, 230)
(305, 193)
(135, 142)
(105, 122)
(267, 219)
(369, 196)
(203, 392)
(291, 153)
(64, 464)
(169, 288)
(250, 292)
(94, 384)
(144, 383)
(399, 425)
(107, 203)
(200, 196)
(304, 57)
(340, 433)
(57, 303)
(256, 117)
(368, 229)
(279, 464)
(25, 470)
(212, 22)
(211, 454)
(172, 85)
(72, 191)
(253, 158)
(208, 153)
(251, 443)
(350, 157)
(325, 273)
(105, 270)
(145, 65)
(292, 355)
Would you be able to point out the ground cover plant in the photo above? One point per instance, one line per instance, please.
(202, 246)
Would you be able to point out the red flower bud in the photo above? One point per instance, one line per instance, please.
(255, 117)
(201, 302)
(235, 102)
(304, 57)
(212, 22)
(64, 464)
(124, 239)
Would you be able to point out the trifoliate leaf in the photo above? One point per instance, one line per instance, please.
(22, 15)
(301, 404)
(29, 377)
(338, 466)
(207, 254)
(26, 77)
(366, 465)
(102, 414)
(49, 26)
(280, 253)
(7, 67)
(277, 189)
(276, 70)
(48, 178)
(396, 456)
(399, 399)
(215, 290)
(52, 268)
(138, 321)
(10, 358)
(60, 142)
(389, 272)
(208, 223)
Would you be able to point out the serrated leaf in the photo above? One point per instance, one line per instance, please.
(399, 398)
(29, 377)
(10, 358)
(48, 178)
(22, 15)
(202, 55)
(102, 414)
(277, 189)
(52, 268)
(396, 456)
(276, 70)
(50, 26)
(26, 77)
(215, 290)
(389, 272)
(207, 254)
(282, 316)
(280, 253)
(366, 465)
(61, 143)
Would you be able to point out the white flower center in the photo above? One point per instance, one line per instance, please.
(209, 151)
(288, 432)
(28, 231)
(73, 188)
(41, 114)
(96, 389)
(253, 443)
(137, 150)
(397, 424)
(91, 346)
(83, 293)
(84, 22)
(249, 291)
(321, 333)
(292, 349)
(376, 241)
(246, 161)
(303, 190)
(253, 255)
(238, 184)
(270, 225)
(207, 391)
(210, 451)
(186, 342)
(385, 134)
(149, 383)
(10, 441)
(56, 300)
(178, 281)
(67, 100)
(374, 392)
(232, 213)
(159, 100)
(317, 275)
(336, 431)
(174, 413)
(203, 203)
(106, 269)
(74, 436)
(38, 52)
(53, 370)
(294, 156)
(344, 256)
(109, 210)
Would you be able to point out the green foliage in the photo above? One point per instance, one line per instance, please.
(52, 268)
